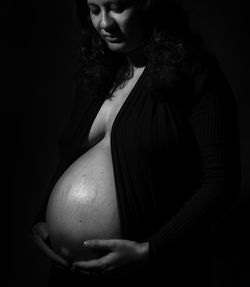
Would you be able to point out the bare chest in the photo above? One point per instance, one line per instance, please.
(105, 117)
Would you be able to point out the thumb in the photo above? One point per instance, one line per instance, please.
(40, 229)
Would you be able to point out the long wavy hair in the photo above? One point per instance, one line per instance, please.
(170, 43)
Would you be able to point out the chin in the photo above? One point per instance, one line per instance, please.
(118, 47)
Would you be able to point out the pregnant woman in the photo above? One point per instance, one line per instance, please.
(150, 156)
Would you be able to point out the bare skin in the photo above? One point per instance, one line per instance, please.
(41, 238)
(122, 255)
(122, 252)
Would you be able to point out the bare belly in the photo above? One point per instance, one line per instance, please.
(83, 204)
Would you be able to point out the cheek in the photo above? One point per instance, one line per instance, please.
(132, 22)
(94, 22)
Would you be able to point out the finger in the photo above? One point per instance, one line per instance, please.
(41, 230)
(91, 264)
(95, 264)
(50, 253)
(100, 243)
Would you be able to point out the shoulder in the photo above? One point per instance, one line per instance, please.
(203, 71)
(204, 79)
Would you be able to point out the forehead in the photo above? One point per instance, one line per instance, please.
(106, 2)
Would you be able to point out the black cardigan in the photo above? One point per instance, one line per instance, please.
(175, 156)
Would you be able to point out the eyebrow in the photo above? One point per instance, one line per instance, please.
(110, 2)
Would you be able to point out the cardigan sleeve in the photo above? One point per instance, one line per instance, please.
(214, 122)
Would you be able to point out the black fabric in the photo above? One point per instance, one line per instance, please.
(176, 166)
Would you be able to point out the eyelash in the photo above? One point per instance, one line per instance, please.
(94, 11)
(117, 9)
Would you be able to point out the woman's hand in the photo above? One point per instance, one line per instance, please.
(41, 238)
(122, 255)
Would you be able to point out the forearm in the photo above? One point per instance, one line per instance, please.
(213, 124)
(196, 215)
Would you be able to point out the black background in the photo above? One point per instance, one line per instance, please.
(41, 40)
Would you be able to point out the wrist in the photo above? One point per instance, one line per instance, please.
(143, 252)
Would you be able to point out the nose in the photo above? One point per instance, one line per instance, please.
(106, 21)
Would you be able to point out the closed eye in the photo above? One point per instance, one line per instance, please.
(117, 8)
(95, 10)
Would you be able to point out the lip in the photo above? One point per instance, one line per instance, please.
(112, 38)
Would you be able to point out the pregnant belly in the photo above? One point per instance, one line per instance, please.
(83, 205)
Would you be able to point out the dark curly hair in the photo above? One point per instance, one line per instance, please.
(169, 44)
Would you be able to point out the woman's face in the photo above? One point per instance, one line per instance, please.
(120, 23)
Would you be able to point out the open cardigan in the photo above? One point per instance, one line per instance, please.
(175, 156)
